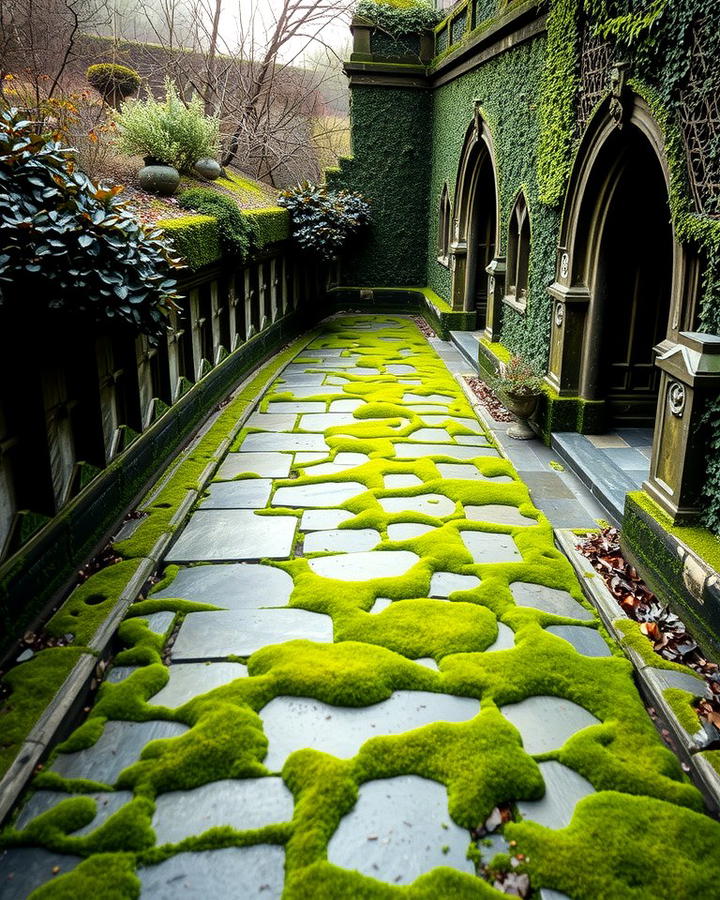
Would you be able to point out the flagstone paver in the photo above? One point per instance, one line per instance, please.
(330, 702)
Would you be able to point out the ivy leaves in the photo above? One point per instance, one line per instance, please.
(69, 245)
(324, 220)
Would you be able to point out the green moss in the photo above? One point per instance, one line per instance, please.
(682, 704)
(195, 238)
(644, 848)
(107, 875)
(33, 684)
(637, 641)
(271, 225)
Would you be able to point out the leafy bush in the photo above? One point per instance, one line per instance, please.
(518, 377)
(113, 82)
(69, 245)
(400, 17)
(324, 220)
(236, 232)
(168, 130)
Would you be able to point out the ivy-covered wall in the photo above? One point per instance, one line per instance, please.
(515, 129)
(389, 166)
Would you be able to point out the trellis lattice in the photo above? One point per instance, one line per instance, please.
(699, 110)
(594, 73)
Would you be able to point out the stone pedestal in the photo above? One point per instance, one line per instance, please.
(690, 373)
(495, 292)
(570, 305)
(458, 273)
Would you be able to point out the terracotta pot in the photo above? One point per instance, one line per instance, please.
(522, 406)
(159, 179)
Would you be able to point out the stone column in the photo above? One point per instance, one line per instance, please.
(495, 292)
(567, 327)
(457, 254)
(690, 374)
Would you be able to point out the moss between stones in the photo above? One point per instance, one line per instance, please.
(643, 793)
(682, 704)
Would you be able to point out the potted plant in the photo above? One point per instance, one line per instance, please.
(170, 134)
(519, 383)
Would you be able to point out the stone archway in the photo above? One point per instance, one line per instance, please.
(618, 290)
(476, 238)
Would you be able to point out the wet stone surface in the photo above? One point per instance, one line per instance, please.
(119, 746)
(346, 540)
(549, 600)
(397, 831)
(233, 534)
(545, 723)
(330, 493)
(189, 680)
(487, 547)
(241, 804)
(270, 465)
(585, 640)
(364, 566)
(231, 586)
(499, 514)
(240, 632)
(23, 869)
(442, 584)
(249, 493)
(291, 723)
(436, 505)
(563, 789)
(253, 873)
(107, 803)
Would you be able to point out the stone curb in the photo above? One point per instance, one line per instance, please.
(652, 681)
(68, 700)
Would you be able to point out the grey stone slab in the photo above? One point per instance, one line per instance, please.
(250, 873)
(323, 421)
(309, 456)
(328, 468)
(380, 604)
(348, 458)
(230, 534)
(435, 419)
(159, 622)
(400, 369)
(118, 747)
(546, 485)
(343, 540)
(240, 632)
(406, 531)
(323, 494)
(487, 547)
(505, 639)
(550, 894)
(249, 493)
(282, 441)
(436, 435)
(272, 421)
(545, 723)
(502, 514)
(437, 505)
(400, 829)
(307, 390)
(428, 662)
(120, 673)
(189, 680)
(299, 378)
(233, 586)
(409, 397)
(241, 803)
(629, 459)
(453, 451)
(549, 600)
(23, 869)
(636, 437)
(469, 472)
(292, 723)
(401, 481)
(563, 789)
(585, 640)
(107, 803)
(344, 406)
(287, 406)
(321, 519)
(338, 379)
(422, 408)
(442, 584)
(364, 566)
(571, 513)
(472, 440)
(270, 465)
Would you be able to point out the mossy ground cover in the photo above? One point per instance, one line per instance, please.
(645, 809)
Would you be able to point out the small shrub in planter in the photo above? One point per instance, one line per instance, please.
(323, 221)
(236, 232)
(70, 249)
(519, 384)
(169, 131)
(113, 82)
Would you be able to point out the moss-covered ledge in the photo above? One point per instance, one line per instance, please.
(681, 564)
(197, 237)
(423, 300)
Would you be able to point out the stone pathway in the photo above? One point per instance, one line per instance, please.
(373, 644)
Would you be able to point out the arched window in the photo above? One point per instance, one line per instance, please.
(444, 225)
(518, 254)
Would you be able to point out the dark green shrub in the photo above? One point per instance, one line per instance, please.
(323, 220)
(70, 246)
(236, 232)
(112, 81)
